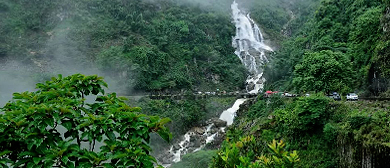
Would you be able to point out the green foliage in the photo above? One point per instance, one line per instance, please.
(245, 153)
(262, 108)
(325, 133)
(330, 132)
(383, 46)
(364, 127)
(195, 160)
(350, 29)
(56, 126)
(304, 116)
(365, 34)
(279, 158)
(145, 45)
(237, 153)
(168, 47)
(185, 114)
(324, 71)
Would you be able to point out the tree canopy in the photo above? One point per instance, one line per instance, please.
(324, 71)
(70, 122)
(354, 29)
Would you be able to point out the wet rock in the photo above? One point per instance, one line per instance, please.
(218, 139)
(260, 81)
(214, 130)
(186, 143)
(195, 137)
(250, 86)
(203, 140)
(244, 107)
(167, 158)
(176, 147)
(199, 131)
(219, 123)
(196, 143)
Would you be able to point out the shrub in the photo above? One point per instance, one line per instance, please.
(195, 160)
(306, 115)
(249, 153)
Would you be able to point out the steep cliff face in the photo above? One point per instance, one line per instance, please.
(386, 22)
(383, 49)
(353, 153)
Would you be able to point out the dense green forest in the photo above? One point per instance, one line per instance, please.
(351, 39)
(145, 45)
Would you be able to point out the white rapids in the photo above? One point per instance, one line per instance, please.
(251, 50)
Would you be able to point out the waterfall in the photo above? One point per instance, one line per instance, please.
(229, 114)
(251, 49)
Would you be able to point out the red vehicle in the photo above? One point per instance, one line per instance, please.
(268, 93)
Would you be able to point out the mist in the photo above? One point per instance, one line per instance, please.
(14, 77)
(60, 55)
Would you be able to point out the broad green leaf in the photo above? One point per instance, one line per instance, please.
(49, 121)
(164, 121)
(67, 124)
(111, 135)
(37, 159)
(4, 153)
(165, 134)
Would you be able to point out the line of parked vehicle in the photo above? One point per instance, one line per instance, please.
(350, 96)
(268, 93)
(334, 95)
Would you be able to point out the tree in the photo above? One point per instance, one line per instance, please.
(324, 71)
(56, 126)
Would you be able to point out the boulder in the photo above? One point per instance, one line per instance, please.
(196, 143)
(250, 86)
(214, 130)
(199, 131)
(167, 158)
(176, 147)
(218, 122)
(218, 139)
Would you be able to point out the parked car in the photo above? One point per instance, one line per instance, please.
(335, 96)
(352, 96)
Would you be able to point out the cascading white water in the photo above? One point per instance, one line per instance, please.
(251, 49)
(182, 147)
(229, 114)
